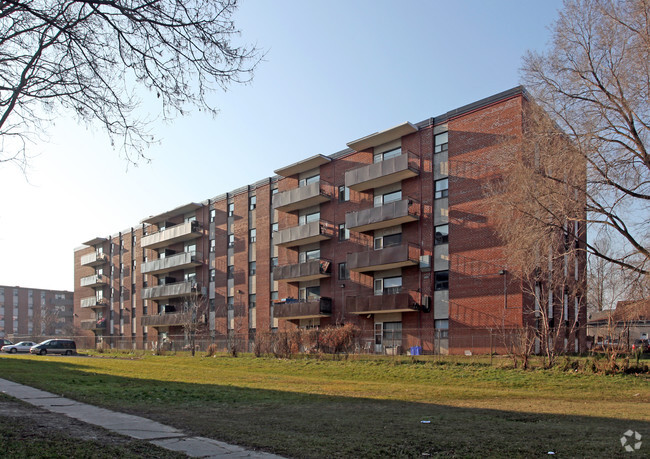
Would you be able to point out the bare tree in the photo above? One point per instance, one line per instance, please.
(592, 105)
(194, 318)
(49, 320)
(89, 57)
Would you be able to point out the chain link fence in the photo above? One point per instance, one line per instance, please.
(348, 339)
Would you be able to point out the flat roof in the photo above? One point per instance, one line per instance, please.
(302, 166)
(181, 210)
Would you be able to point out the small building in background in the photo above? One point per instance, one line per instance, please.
(35, 314)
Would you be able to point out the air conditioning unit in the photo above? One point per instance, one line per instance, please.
(425, 263)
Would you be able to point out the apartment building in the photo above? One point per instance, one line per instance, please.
(33, 313)
(389, 234)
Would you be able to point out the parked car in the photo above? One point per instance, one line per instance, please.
(55, 346)
(23, 346)
(4, 342)
(641, 344)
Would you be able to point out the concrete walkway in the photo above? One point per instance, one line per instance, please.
(129, 425)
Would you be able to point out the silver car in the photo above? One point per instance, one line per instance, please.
(23, 346)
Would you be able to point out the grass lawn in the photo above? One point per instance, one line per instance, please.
(363, 408)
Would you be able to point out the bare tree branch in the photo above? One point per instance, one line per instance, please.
(91, 56)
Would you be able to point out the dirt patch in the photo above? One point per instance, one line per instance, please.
(35, 425)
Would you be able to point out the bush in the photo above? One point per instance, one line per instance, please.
(212, 350)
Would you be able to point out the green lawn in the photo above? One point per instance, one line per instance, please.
(368, 408)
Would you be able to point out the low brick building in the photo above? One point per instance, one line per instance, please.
(389, 234)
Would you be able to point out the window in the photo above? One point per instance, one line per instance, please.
(379, 157)
(388, 285)
(441, 234)
(252, 203)
(441, 188)
(309, 180)
(213, 275)
(252, 300)
(213, 214)
(274, 262)
(441, 142)
(392, 334)
(344, 274)
(307, 255)
(274, 227)
(309, 218)
(231, 209)
(212, 245)
(231, 240)
(392, 285)
(389, 240)
(274, 190)
(441, 280)
(443, 326)
(230, 302)
(309, 293)
(252, 235)
(344, 193)
(388, 198)
(344, 233)
(274, 295)
(230, 270)
(252, 268)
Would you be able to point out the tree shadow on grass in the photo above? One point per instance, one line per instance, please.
(305, 425)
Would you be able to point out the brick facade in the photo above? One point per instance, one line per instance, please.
(406, 283)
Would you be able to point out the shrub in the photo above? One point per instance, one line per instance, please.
(212, 350)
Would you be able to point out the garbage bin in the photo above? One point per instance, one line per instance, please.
(416, 350)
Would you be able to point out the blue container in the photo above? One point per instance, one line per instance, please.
(416, 350)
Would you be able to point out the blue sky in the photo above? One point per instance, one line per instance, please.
(334, 71)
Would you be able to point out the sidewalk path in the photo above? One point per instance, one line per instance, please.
(130, 425)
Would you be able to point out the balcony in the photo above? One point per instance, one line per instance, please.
(164, 320)
(303, 197)
(376, 304)
(303, 309)
(93, 324)
(391, 214)
(383, 173)
(94, 259)
(387, 258)
(93, 302)
(304, 234)
(300, 272)
(160, 292)
(172, 263)
(96, 280)
(177, 233)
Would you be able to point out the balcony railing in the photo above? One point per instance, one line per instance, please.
(383, 173)
(164, 320)
(388, 302)
(178, 233)
(300, 272)
(176, 289)
(95, 280)
(391, 214)
(387, 258)
(303, 309)
(172, 263)
(304, 234)
(93, 302)
(93, 324)
(94, 259)
(303, 197)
